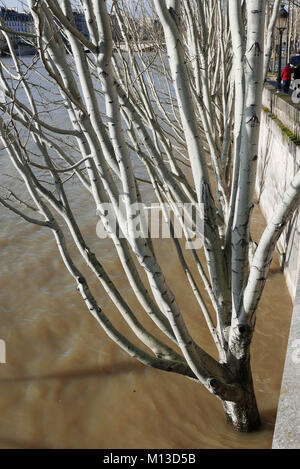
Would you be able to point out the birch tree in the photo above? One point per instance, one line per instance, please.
(269, 43)
(188, 113)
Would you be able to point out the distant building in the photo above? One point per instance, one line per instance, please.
(21, 22)
(80, 23)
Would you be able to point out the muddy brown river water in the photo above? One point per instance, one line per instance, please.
(66, 385)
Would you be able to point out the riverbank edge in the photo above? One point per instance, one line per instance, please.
(281, 126)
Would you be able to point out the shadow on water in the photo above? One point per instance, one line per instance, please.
(94, 372)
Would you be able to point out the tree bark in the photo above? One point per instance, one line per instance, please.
(243, 415)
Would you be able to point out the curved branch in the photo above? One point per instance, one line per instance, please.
(264, 252)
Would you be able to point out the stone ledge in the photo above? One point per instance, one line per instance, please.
(282, 106)
(279, 159)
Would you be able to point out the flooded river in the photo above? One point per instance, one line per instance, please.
(66, 385)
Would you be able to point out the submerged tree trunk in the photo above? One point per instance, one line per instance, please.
(243, 415)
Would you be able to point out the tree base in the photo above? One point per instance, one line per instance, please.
(244, 416)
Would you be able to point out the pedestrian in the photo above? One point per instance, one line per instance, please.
(286, 76)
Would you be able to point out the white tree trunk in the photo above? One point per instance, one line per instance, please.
(189, 112)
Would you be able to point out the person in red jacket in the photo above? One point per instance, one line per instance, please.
(286, 76)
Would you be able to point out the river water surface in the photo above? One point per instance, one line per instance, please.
(66, 385)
